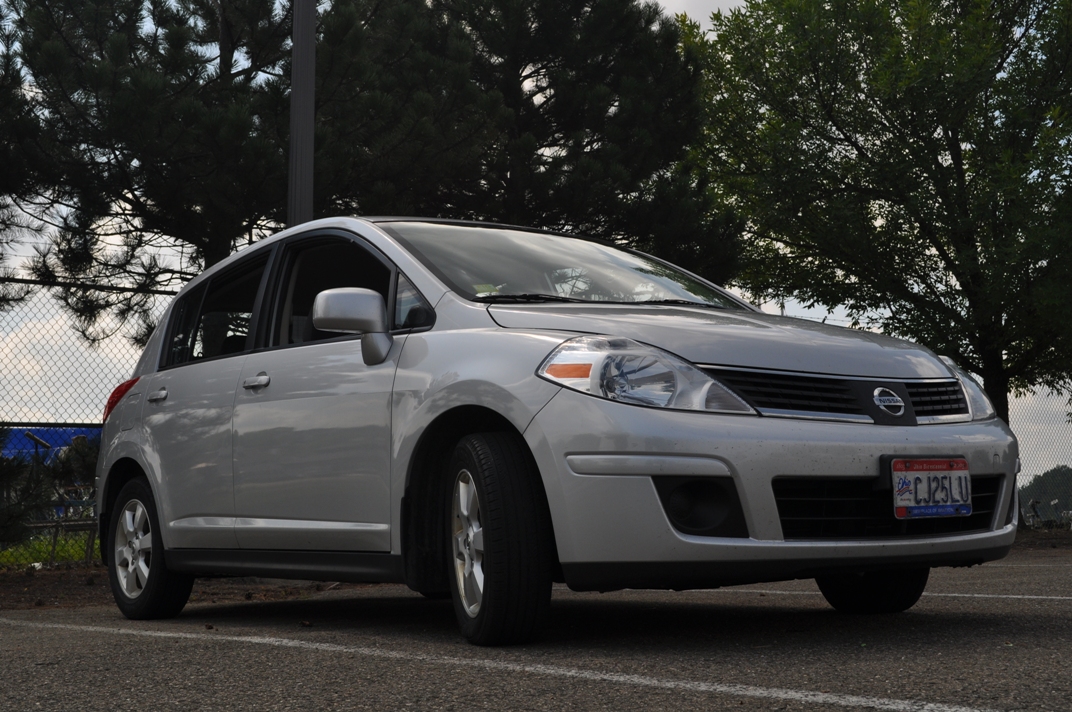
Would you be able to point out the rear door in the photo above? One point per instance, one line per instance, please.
(312, 422)
(189, 403)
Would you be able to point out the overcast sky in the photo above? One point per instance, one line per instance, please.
(698, 9)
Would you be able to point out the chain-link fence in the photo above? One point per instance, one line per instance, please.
(1042, 426)
(51, 374)
(59, 462)
(54, 386)
(52, 393)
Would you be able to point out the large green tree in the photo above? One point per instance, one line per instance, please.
(909, 159)
(400, 123)
(166, 126)
(152, 139)
(601, 103)
(18, 128)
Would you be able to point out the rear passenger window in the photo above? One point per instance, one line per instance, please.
(183, 323)
(316, 265)
(215, 321)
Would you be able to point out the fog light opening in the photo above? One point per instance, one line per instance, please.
(702, 506)
(697, 505)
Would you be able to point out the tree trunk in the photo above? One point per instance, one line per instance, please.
(213, 251)
(227, 48)
(996, 381)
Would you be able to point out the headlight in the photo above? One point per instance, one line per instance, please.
(978, 403)
(627, 371)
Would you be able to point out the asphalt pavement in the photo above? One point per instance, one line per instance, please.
(995, 637)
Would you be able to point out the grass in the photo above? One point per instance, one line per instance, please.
(70, 546)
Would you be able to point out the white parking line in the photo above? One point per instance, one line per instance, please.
(770, 693)
(1000, 595)
(933, 595)
(1027, 566)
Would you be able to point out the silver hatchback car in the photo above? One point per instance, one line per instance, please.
(479, 411)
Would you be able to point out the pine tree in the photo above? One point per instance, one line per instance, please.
(601, 104)
(166, 126)
(400, 122)
(151, 143)
(18, 130)
(164, 129)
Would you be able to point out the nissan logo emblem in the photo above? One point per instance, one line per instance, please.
(889, 402)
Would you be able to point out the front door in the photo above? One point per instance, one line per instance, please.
(312, 422)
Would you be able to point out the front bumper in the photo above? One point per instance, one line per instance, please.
(612, 531)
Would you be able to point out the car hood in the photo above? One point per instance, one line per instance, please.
(736, 338)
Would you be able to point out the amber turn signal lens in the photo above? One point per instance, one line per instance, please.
(569, 370)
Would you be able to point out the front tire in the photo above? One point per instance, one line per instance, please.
(874, 592)
(142, 585)
(500, 541)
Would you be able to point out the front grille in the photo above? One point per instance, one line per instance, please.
(834, 508)
(850, 398)
(945, 398)
(785, 392)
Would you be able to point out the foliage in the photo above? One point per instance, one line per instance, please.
(1049, 494)
(31, 488)
(909, 159)
(601, 103)
(160, 129)
(151, 118)
(17, 179)
(70, 547)
(399, 121)
(24, 491)
(75, 466)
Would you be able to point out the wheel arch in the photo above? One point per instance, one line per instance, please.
(423, 522)
(121, 472)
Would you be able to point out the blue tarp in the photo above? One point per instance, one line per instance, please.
(58, 436)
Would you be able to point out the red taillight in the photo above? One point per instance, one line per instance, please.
(117, 395)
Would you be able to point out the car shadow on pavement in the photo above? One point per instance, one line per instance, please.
(669, 621)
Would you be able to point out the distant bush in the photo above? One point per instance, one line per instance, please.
(24, 491)
(39, 489)
(75, 466)
(1049, 494)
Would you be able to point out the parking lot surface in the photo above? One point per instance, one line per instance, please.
(995, 637)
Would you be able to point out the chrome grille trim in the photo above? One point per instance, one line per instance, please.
(812, 415)
(937, 419)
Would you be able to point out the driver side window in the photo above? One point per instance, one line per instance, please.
(312, 266)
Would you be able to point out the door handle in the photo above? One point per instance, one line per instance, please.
(155, 396)
(259, 381)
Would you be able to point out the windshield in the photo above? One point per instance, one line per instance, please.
(499, 264)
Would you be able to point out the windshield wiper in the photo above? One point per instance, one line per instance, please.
(498, 298)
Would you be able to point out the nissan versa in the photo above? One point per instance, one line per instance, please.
(479, 411)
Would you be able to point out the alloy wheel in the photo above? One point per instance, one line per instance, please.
(133, 548)
(468, 543)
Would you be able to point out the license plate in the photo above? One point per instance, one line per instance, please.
(939, 487)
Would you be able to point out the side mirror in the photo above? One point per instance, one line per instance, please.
(350, 310)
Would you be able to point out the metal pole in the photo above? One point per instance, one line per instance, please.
(302, 80)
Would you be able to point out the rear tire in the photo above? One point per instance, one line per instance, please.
(871, 592)
(500, 541)
(142, 585)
